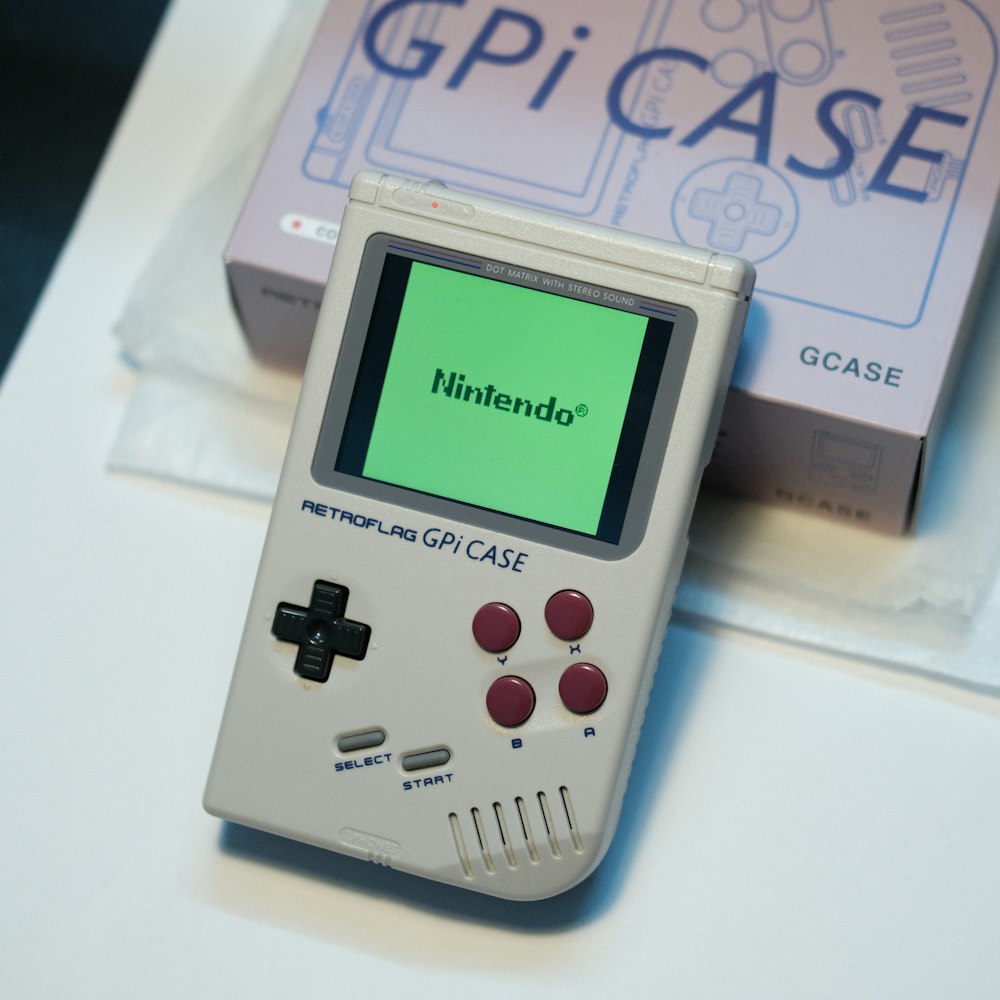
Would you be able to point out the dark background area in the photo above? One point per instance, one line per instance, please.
(66, 70)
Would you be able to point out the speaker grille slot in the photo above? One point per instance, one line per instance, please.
(529, 840)
(509, 836)
(508, 850)
(574, 830)
(463, 855)
(484, 844)
(550, 830)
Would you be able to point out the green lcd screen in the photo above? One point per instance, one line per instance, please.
(502, 389)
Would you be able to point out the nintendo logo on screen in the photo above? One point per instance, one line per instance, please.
(454, 386)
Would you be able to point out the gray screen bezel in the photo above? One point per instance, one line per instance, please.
(343, 385)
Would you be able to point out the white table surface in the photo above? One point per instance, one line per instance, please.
(796, 826)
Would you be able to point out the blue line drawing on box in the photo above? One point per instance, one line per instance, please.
(736, 206)
(724, 15)
(511, 165)
(735, 212)
(929, 67)
(799, 44)
(735, 68)
(371, 119)
(357, 87)
(865, 185)
(945, 55)
(792, 38)
(845, 462)
(928, 59)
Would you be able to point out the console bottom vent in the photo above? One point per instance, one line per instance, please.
(531, 829)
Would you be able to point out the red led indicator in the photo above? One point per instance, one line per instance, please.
(434, 204)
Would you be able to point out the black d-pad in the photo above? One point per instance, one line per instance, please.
(321, 630)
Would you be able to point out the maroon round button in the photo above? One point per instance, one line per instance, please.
(496, 627)
(510, 700)
(569, 614)
(583, 688)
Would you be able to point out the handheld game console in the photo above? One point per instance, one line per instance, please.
(476, 539)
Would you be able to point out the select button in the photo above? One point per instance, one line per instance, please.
(361, 741)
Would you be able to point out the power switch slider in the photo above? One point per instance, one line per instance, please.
(422, 202)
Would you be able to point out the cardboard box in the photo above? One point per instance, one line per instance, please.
(848, 150)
